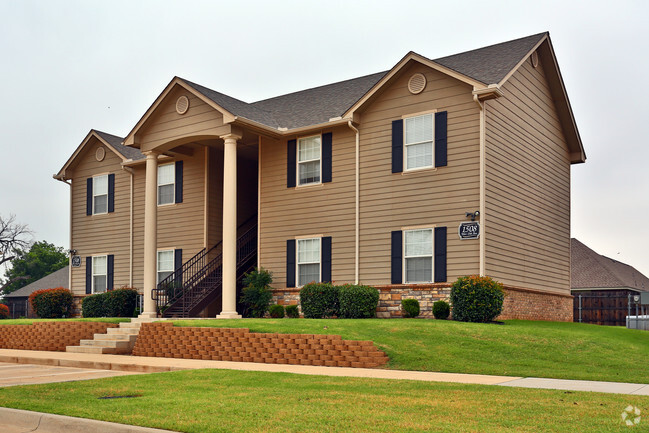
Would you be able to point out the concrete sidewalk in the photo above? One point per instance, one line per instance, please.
(143, 364)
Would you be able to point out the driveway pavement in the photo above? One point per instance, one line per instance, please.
(28, 374)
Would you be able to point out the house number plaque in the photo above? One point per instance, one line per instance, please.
(469, 230)
(76, 261)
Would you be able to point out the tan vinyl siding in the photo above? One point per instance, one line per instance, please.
(100, 234)
(167, 126)
(431, 197)
(527, 186)
(326, 209)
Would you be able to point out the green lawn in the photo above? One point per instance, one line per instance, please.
(517, 348)
(205, 401)
(93, 319)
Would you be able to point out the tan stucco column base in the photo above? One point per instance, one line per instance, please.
(229, 254)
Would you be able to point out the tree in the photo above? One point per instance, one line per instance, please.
(13, 236)
(27, 266)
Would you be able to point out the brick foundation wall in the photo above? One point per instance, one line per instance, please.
(527, 304)
(162, 339)
(390, 298)
(50, 336)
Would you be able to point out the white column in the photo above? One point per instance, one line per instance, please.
(150, 233)
(229, 268)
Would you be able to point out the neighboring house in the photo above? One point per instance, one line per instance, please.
(603, 288)
(18, 300)
(365, 180)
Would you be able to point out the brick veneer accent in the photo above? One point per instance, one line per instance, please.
(50, 336)
(520, 303)
(162, 339)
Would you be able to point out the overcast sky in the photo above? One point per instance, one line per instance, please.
(69, 66)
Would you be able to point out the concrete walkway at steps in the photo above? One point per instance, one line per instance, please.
(143, 364)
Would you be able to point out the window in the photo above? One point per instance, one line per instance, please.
(308, 160)
(418, 255)
(99, 274)
(100, 194)
(166, 184)
(165, 264)
(418, 141)
(308, 261)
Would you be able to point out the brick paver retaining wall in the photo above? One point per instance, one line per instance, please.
(50, 336)
(239, 344)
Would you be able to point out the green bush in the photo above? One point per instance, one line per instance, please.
(256, 295)
(113, 303)
(276, 311)
(292, 311)
(52, 303)
(319, 300)
(410, 308)
(476, 299)
(4, 311)
(357, 302)
(441, 310)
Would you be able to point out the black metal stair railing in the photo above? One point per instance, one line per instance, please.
(198, 279)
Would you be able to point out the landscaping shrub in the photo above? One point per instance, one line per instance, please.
(276, 311)
(476, 299)
(114, 303)
(4, 311)
(357, 302)
(319, 300)
(256, 295)
(441, 310)
(292, 311)
(52, 303)
(410, 308)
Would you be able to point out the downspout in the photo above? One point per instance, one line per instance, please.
(357, 240)
(62, 179)
(130, 171)
(483, 108)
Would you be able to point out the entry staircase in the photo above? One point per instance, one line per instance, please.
(198, 282)
(116, 341)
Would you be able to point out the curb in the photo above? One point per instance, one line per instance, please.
(23, 421)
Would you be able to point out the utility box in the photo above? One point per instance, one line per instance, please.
(644, 298)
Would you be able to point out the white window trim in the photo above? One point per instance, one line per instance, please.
(298, 162)
(99, 195)
(92, 272)
(297, 259)
(157, 261)
(405, 146)
(173, 201)
(403, 254)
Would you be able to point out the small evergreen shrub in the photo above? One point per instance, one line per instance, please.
(276, 311)
(256, 295)
(292, 311)
(4, 311)
(52, 303)
(441, 310)
(94, 306)
(410, 308)
(357, 302)
(113, 303)
(476, 299)
(319, 300)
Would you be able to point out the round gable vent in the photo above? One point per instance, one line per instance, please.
(417, 83)
(182, 105)
(100, 154)
(535, 59)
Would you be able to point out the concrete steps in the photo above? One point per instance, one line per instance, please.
(116, 341)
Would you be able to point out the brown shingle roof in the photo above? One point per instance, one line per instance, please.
(590, 270)
(58, 278)
(127, 152)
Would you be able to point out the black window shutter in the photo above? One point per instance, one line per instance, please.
(440, 139)
(178, 263)
(179, 181)
(326, 259)
(111, 193)
(88, 275)
(290, 263)
(110, 272)
(397, 146)
(397, 260)
(440, 254)
(327, 140)
(291, 161)
(89, 196)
